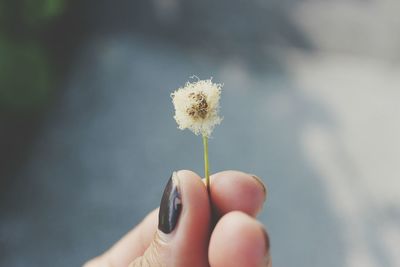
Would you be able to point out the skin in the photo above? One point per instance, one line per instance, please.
(237, 240)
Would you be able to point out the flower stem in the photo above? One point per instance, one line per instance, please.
(206, 164)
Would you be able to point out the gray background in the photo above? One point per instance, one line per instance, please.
(310, 104)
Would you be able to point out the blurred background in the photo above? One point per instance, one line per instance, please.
(311, 103)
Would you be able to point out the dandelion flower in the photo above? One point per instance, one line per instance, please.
(197, 105)
(196, 108)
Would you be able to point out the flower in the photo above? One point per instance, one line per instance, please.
(197, 106)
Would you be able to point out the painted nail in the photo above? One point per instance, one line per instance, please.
(266, 238)
(260, 182)
(170, 206)
(267, 247)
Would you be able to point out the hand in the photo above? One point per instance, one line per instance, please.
(185, 236)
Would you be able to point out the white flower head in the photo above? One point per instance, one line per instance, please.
(197, 106)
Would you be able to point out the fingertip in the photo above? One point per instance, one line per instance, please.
(188, 174)
(261, 183)
(194, 193)
(183, 224)
(235, 190)
(238, 240)
(190, 241)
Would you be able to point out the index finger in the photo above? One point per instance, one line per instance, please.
(235, 190)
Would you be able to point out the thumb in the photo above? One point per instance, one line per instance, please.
(183, 227)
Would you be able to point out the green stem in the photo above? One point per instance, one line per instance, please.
(206, 165)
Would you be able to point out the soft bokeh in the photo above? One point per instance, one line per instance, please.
(311, 103)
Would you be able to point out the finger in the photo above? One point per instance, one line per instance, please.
(231, 190)
(234, 190)
(238, 240)
(183, 227)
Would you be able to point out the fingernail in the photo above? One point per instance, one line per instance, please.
(260, 182)
(267, 248)
(266, 238)
(170, 206)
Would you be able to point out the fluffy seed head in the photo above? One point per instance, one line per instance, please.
(197, 105)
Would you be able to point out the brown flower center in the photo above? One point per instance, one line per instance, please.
(200, 106)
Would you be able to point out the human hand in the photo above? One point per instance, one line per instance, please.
(185, 236)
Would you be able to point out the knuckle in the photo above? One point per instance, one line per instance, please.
(154, 256)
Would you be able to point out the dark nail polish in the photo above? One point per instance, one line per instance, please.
(261, 183)
(170, 206)
(267, 257)
(266, 238)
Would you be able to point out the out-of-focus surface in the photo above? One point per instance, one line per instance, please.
(310, 104)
